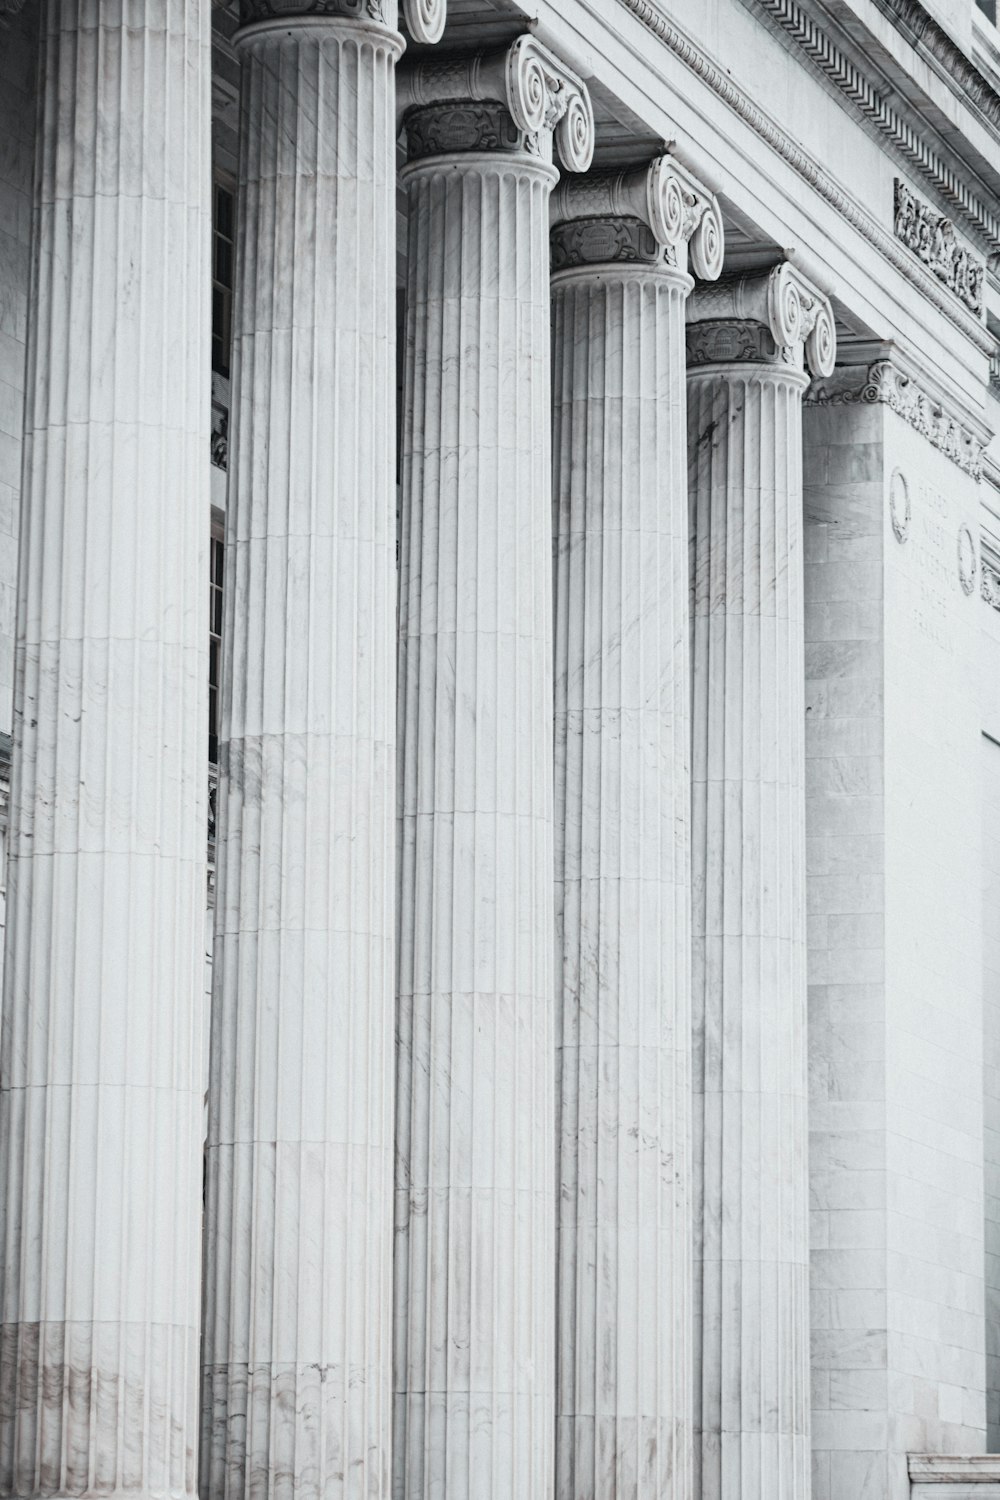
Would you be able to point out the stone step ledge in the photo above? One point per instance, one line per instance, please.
(942, 1476)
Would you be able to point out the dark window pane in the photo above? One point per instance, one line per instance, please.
(224, 212)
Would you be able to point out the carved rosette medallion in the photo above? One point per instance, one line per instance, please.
(899, 506)
(775, 317)
(520, 98)
(967, 559)
(932, 239)
(654, 214)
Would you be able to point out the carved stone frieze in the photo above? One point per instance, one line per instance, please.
(932, 237)
(721, 342)
(542, 100)
(588, 242)
(254, 11)
(892, 387)
(657, 212)
(772, 317)
(439, 129)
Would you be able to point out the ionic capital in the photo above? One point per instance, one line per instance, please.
(654, 214)
(424, 18)
(451, 104)
(762, 317)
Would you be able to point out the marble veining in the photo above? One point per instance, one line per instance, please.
(296, 1380)
(622, 778)
(101, 1046)
(474, 1301)
(745, 386)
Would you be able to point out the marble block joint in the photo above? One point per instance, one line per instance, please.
(747, 341)
(101, 1076)
(474, 1303)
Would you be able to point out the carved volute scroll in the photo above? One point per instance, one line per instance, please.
(769, 317)
(517, 98)
(656, 213)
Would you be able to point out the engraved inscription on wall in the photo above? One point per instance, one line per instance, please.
(932, 565)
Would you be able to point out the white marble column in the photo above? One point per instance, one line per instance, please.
(745, 340)
(622, 794)
(475, 1251)
(298, 1259)
(101, 1048)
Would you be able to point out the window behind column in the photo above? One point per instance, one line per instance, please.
(223, 231)
(217, 572)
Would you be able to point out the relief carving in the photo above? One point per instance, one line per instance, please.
(542, 99)
(889, 386)
(658, 212)
(439, 129)
(587, 242)
(776, 316)
(931, 237)
(966, 559)
(899, 506)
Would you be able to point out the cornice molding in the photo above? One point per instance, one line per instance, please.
(867, 99)
(655, 213)
(721, 84)
(932, 38)
(886, 384)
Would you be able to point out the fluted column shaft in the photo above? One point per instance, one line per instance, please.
(296, 1383)
(622, 892)
(749, 913)
(475, 1254)
(622, 806)
(101, 1056)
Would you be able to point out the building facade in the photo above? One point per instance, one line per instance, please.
(519, 474)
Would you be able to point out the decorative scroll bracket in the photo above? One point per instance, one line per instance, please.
(540, 94)
(596, 218)
(726, 321)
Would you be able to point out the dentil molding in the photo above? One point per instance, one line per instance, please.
(656, 213)
(886, 384)
(506, 99)
(870, 102)
(649, 15)
(762, 317)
